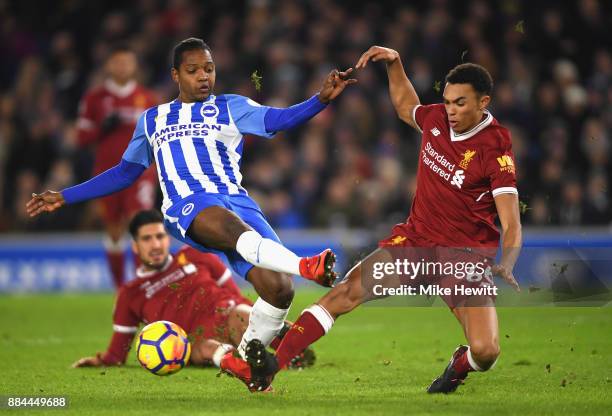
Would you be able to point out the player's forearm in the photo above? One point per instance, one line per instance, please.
(118, 349)
(403, 95)
(278, 119)
(512, 240)
(113, 180)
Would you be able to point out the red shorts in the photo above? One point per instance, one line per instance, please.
(454, 274)
(121, 206)
(212, 322)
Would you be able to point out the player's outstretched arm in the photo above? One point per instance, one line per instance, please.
(508, 210)
(403, 94)
(117, 351)
(279, 119)
(113, 180)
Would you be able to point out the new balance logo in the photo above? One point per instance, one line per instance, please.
(504, 161)
(506, 164)
(435, 131)
(458, 178)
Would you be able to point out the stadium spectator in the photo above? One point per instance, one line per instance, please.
(107, 118)
(552, 75)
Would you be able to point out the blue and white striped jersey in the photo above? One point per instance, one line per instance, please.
(197, 146)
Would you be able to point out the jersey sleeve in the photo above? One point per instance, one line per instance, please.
(87, 127)
(139, 149)
(218, 271)
(421, 112)
(208, 261)
(499, 165)
(125, 326)
(124, 319)
(248, 115)
(221, 273)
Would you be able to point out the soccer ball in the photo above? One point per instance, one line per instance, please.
(163, 348)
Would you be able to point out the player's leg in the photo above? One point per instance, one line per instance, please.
(481, 330)
(208, 227)
(357, 288)
(237, 321)
(312, 324)
(256, 244)
(482, 333)
(117, 211)
(270, 310)
(114, 244)
(317, 320)
(138, 197)
(218, 227)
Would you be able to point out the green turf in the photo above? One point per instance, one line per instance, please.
(375, 361)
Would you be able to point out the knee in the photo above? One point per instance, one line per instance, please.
(485, 353)
(279, 290)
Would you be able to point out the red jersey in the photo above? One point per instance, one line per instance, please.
(128, 102)
(458, 176)
(187, 292)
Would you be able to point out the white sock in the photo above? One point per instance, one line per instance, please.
(472, 362)
(265, 321)
(220, 352)
(321, 315)
(266, 253)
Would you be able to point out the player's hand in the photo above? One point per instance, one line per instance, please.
(48, 201)
(504, 273)
(89, 362)
(334, 84)
(375, 54)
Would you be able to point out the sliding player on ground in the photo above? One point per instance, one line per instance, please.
(192, 289)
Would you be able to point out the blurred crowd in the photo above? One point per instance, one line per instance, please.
(354, 165)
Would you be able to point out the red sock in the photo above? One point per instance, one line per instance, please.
(281, 334)
(305, 331)
(275, 343)
(116, 262)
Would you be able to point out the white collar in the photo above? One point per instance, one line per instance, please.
(457, 137)
(120, 91)
(142, 273)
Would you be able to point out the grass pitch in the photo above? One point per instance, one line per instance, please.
(374, 361)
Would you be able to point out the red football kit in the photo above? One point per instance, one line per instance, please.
(458, 176)
(194, 290)
(127, 103)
